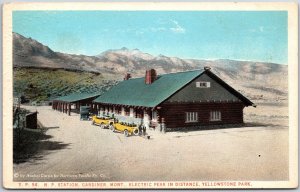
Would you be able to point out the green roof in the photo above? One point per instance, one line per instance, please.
(76, 97)
(135, 92)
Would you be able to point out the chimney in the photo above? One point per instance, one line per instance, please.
(150, 76)
(206, 68)
(127, 76)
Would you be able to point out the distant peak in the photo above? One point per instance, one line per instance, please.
(161, 55)
(124, 49)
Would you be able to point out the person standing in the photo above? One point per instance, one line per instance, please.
(144, 130)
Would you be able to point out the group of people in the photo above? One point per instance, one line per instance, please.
(142, 130)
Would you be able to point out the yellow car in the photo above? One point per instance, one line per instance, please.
(103, 122)
(125, 128)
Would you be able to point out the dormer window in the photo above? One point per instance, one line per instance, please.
(202, 84)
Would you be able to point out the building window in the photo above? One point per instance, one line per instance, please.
(215, 116)
(191, 117)
(202, 84)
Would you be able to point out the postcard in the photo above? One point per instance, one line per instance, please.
(150, 95)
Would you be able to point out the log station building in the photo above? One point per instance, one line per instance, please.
(176, 100)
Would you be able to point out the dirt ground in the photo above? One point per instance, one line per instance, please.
(78, 151)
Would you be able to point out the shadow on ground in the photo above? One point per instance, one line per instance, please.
(228, 126)
(31, 145)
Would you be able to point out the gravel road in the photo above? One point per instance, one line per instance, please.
(78, 151)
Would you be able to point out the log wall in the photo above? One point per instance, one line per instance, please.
(175, 114)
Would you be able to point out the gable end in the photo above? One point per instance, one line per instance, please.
(246, 101)
(207, 87)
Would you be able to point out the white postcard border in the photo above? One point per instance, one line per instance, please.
(180, 6)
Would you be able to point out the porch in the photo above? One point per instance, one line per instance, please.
(71, 103)
(148, 117)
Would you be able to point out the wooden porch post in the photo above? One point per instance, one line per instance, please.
(158, 119)
(77, 105)
(163, 125)
(98, 109)
(92, 107)
(66, 108)
(69, 110)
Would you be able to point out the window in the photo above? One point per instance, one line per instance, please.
(215, 116)
(202, 84)
(191, 117)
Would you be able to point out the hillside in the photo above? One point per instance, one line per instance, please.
(30, 53)
(38, 84)
(257, 80)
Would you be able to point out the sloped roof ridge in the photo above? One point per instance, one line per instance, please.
(135, 92)
(75, 96)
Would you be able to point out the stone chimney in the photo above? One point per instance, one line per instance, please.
(206, 68)
(127, 76)
(150, 76)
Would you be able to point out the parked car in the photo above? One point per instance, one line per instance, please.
(127, 129)
(85, 112)
(103, 122)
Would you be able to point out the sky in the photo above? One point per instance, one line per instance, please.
(237, 35)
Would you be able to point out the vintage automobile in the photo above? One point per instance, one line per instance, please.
(103, 122)
(84, 113)
(127, 129)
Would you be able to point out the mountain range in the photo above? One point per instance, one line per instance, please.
(257, 80)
